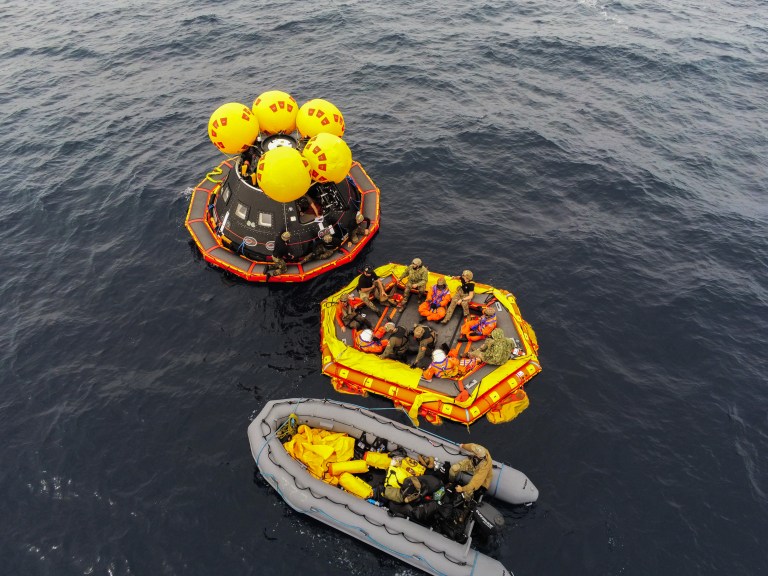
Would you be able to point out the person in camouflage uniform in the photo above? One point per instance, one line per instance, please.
(361, 228)
(323, 249)
(279, 255)
(415, 276)
(462, 296)
(496, 350)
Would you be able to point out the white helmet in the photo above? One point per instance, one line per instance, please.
(366, 335)
(438, 356)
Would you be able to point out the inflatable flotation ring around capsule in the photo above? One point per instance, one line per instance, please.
(287, 170)
(494, 391)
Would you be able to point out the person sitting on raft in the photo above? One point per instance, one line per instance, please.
(462, 296)
(426, 338)
(496, 350)
(323, 248)
(433, 308)
(361, 228)
(478, 329)
(442, 366)
(371, 286)
(479, 464)
(347, 314)
(416, 276)
(369, 341)
(280, 254)
(397, 346)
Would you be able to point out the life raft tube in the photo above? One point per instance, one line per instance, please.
(233, 224)
(494, 391)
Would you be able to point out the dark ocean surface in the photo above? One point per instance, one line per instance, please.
(606, 162)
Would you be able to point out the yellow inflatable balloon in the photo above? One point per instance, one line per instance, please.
(233, 127)
(329, 158)
(276, 112)
(319, 116)
(283, 174)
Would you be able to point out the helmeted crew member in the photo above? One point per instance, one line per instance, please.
(397, 347)
(438, 297)
(479, 464)
(496, 350)
(361, 227)
(416, 276)
(371, 286)
(441, 366)
(462, 296)
(370, 342)
(474, 330)
(347, 314)
(280, 254)
(426, 338)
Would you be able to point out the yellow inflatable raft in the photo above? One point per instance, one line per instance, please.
(494, 391)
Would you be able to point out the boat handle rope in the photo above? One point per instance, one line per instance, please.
(378, 544)
(364, 516)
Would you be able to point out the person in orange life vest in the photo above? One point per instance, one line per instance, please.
(347, 314)
(464, 365)
(433, 308)
(442, 366)
(480, 328)
(369, 341)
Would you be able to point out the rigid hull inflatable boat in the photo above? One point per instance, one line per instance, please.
(405, 539)
(492, 390)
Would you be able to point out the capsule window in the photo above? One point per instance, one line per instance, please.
(265, 219)
(225, 194)
(241, 211)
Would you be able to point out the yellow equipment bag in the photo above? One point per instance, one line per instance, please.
(509, 409)
(400, 470)
(353, 467)
(380, 460)
(317, 448)
(355, 485)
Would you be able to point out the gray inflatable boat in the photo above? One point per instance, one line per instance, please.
(407, 540)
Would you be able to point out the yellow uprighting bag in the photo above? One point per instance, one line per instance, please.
(351, 466)
(355, 485)
(380, 460)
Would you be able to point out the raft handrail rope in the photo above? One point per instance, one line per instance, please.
(418, 431)
(343, 504)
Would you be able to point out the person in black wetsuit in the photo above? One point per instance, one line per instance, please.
(397, 347)
(280, 254)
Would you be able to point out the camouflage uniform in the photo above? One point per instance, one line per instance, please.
(280, 252)
(464, 290)
(360, 230)
(322, 250)
(415, 279)
(496, 350)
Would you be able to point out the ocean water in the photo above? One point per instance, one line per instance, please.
(605, 161)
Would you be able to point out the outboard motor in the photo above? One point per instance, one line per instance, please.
(488, 521)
